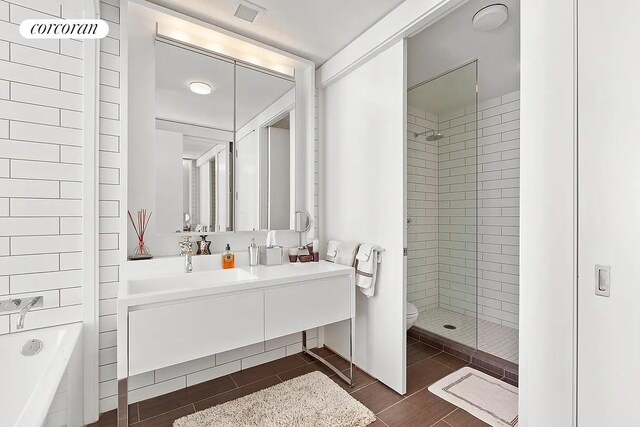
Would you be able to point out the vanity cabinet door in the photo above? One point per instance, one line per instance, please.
(166, 335)
(307, 305)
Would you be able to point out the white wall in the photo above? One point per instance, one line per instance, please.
(547, 257)
(169, 181)
(41, 171)
(251, 185)
(247, 171)
(222, 189)
(279, 178)
(204, 176)
(363, 198)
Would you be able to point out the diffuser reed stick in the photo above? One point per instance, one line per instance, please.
(140, 227)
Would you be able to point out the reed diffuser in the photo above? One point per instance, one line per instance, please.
(140, 227)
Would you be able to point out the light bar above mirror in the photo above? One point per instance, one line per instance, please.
(221, 44)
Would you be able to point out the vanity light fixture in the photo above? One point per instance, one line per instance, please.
(175, 30)
(201, 88)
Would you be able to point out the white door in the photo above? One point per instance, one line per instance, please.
(608, 212)
(362, 200)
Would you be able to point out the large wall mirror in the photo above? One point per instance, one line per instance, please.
(225, 151)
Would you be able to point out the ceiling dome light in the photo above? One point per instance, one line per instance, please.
(491, 17)
(200, 88)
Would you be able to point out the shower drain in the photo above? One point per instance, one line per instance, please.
(31, 347)
(447, 326)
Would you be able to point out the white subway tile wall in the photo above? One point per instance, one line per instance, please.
(422, 211)
(499, 209)
(40, 167)
(443, 200)
(457, 222)
(41, 195)
(109, 200)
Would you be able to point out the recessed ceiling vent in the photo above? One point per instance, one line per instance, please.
(249, 11)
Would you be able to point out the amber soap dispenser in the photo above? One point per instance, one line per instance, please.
(228, 258)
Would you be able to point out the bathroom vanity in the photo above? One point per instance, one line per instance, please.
(166, 319)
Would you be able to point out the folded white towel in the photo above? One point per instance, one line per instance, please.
(332, 250)
(347, 253)
(367, 259)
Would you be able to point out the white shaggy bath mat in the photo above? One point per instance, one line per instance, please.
(312, 400)
(489, 399)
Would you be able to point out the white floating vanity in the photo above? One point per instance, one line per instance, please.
(165, 319)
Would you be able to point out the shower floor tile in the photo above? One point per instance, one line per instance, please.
(498, 340)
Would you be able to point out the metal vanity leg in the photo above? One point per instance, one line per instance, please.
(123, 406)
(351, 378)
(351, 373)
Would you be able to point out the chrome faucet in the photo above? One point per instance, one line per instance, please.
(25, 309)
(186, 249)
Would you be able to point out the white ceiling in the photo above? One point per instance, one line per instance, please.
(312, 29)
(193, 148)
(447, 93)
(255, 91)
(452, 41)
(177, 67)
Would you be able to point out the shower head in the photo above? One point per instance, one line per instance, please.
(433, 137)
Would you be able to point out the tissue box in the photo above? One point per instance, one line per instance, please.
(271, 255)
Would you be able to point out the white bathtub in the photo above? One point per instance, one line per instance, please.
(44, 389)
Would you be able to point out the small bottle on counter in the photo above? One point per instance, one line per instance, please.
(316, 250)
(228, 258)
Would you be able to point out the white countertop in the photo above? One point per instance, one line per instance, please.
(164, 287)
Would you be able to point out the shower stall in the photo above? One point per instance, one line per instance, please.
(462, 213)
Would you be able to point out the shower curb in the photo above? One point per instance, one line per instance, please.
(489, 362)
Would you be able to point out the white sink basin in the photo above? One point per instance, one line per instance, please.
(184, 281)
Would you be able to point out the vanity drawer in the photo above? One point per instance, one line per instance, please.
(307, 305)
(166, 335)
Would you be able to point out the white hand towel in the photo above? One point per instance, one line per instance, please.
(347, 253)
(332, 250)
(368, 259)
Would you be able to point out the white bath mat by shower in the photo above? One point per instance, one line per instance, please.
(489, 399)
(311, 400)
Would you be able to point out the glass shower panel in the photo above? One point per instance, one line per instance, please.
(442, 204)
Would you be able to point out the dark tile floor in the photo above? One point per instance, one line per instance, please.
(425, 365)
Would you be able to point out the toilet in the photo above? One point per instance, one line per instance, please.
(412, 315)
